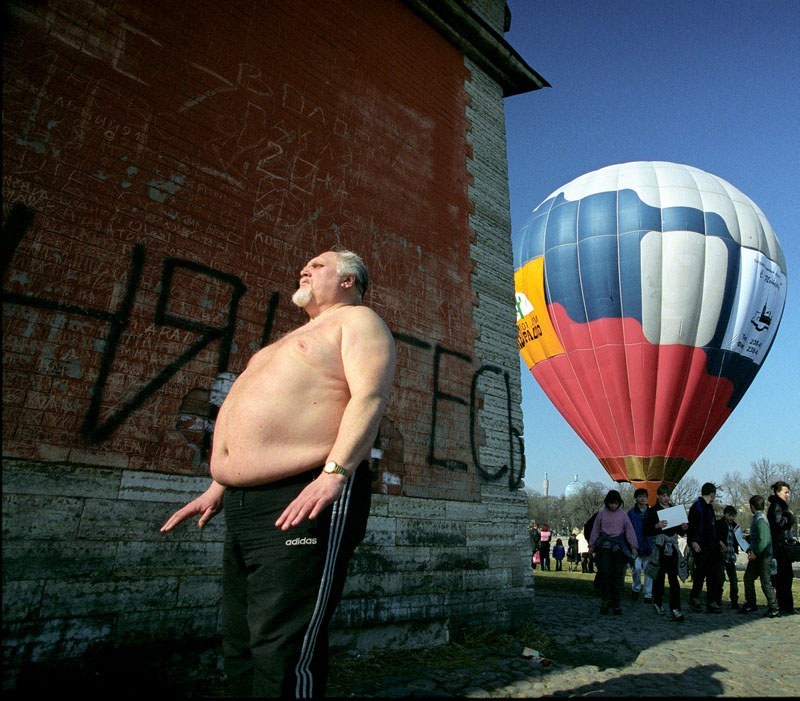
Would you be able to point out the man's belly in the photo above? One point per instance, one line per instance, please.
(263, 467)
(279, 419)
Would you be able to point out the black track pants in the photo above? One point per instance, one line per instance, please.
(280, 588)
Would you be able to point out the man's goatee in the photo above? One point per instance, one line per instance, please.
(302, 296)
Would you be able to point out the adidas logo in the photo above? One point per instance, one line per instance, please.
(301, 541)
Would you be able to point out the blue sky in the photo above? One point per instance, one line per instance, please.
(711, 84)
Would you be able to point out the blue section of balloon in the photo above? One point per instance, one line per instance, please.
(608, 228)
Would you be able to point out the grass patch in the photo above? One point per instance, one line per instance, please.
(566, 582)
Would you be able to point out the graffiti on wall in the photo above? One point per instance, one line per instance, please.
(96, 430)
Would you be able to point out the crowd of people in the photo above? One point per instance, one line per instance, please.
(661, 551)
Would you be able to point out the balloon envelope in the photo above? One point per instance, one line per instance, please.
(648, 295)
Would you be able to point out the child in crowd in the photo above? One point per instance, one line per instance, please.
(637, 514)
(726, 532)
(572, 550)
(759, 556)
(666, 555)
(558, 553)
(587, 566)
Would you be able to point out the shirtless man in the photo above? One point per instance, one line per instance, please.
(313, 398)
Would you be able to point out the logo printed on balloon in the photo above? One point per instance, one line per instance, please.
(762, 319)
(524, 306)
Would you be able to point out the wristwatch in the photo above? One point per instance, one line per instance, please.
(335, 468)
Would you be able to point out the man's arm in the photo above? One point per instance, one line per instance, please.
(722, 527)
(208, 504)
(630, 534)
(759, 537)
(651, 523)
(595, 534)
(368, 359)
(782, 518)
(695, 527)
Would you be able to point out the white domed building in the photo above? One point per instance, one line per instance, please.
(573, 488)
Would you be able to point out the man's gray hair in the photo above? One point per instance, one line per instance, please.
(349, 263)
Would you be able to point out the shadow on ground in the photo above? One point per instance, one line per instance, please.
(651, 684)
(178, 669)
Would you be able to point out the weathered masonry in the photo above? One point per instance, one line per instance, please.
(167, 169)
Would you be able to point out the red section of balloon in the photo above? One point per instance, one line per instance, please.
(634, 398)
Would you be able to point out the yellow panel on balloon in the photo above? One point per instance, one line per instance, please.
(535, 333)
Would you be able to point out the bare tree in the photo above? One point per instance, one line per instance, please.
(686, 492)
(544, 509)
(626, 490)
(592, 496)
(584, 503)
(763, 474)
(736, 491)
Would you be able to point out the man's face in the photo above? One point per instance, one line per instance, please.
(663, 499)
(729, 517)
(319, 281)
(641, 500)
(710, 498)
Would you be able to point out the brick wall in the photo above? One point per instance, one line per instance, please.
(167, 170)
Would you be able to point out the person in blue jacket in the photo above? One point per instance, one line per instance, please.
(637, 514)
(558, 553)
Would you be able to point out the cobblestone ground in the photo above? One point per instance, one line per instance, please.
(636, 654)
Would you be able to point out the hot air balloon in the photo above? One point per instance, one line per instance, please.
(648, 295)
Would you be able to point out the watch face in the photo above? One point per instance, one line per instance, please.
(333, 468)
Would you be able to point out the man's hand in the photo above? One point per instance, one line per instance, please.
(322, 492)
(696, 547)
(208, 504)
